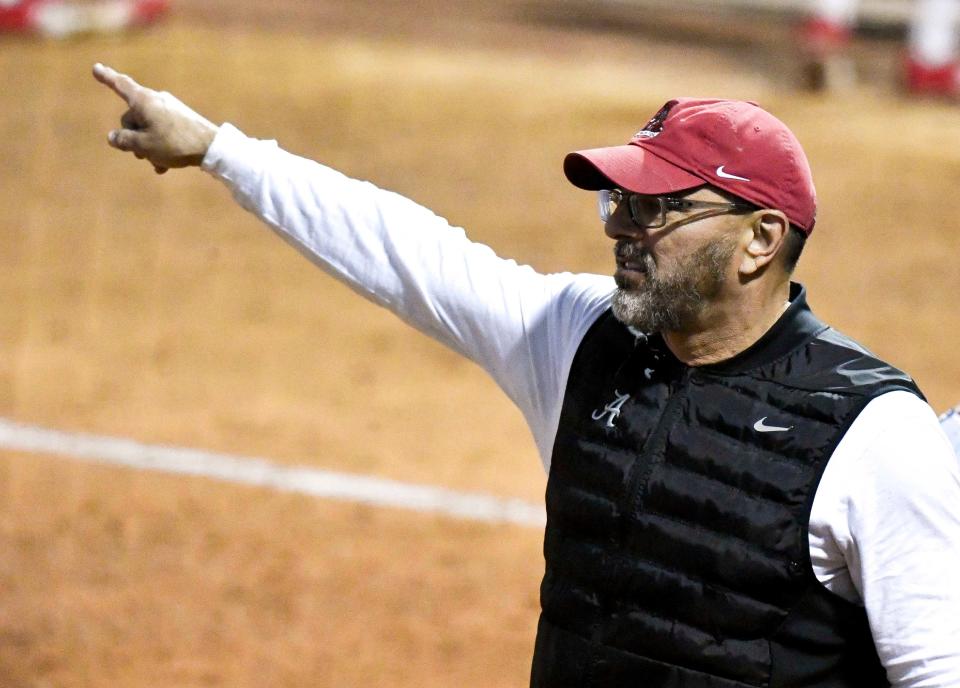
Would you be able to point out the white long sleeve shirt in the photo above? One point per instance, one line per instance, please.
(885, 524)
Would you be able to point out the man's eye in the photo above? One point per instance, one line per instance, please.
(646, 205)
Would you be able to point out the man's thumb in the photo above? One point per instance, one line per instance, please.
(126, 140)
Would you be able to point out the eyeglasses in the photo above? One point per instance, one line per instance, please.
(650, 212)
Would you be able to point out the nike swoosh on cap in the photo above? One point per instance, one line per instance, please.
(727, 175)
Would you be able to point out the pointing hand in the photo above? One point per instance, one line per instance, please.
(157, 126)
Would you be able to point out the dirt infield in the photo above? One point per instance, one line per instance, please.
(150, 307)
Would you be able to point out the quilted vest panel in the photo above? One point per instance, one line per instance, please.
(677, 509)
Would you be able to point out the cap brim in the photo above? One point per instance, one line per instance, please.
(628, 167)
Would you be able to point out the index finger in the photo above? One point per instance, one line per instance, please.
(121, 84)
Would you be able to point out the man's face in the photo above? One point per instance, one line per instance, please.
(668, 277)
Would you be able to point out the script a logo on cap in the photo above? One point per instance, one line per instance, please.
(654, 127)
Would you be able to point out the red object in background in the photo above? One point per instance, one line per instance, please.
(824, 59)
(61, 18)
(16, 17)
(821, 38)
(149, 11)
(939, 82)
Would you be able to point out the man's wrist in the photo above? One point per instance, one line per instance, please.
(207, 136)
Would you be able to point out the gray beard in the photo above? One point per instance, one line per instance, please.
(672, 302)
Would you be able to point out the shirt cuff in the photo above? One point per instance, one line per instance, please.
(233, 152)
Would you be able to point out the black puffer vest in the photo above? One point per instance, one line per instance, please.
(677, 510)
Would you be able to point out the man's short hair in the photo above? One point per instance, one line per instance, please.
(793, 241)
(793, 244)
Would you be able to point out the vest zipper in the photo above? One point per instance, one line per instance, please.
(632, 500)
(652, 448)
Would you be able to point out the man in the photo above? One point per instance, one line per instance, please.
(738, 495)
(931, 62)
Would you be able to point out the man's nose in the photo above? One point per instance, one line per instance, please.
(620, 226)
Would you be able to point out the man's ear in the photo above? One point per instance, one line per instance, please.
(763, 238)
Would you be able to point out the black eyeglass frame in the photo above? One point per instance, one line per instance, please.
(608, 200)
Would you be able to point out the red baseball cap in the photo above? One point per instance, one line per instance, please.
(733, 145)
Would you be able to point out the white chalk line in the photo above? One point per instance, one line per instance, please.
(380, 492)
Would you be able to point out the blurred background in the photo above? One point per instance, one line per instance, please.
(151, 308)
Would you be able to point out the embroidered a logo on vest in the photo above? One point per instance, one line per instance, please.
(612, 409)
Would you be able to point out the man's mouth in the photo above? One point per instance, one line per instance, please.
(631, 259)
(632, 265)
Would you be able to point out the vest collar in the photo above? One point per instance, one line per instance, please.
(795, 326)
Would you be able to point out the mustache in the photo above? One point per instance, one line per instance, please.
(627, 251)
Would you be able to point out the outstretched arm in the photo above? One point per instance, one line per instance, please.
(520, 326)
(156, 126)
